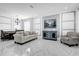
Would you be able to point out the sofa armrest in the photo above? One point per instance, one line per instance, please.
(74, 39)
(77, 38)
(18, 37)
(64, 36)
(35, 34)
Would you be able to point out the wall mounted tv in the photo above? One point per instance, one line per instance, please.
(50, 23)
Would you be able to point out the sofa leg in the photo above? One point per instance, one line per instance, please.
(70, 45)
(76, 44)
(73, 45)
(15, 42)
(61, 41)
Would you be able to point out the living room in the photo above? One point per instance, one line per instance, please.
(35, 29)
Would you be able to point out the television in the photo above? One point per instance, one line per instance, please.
(50, 23)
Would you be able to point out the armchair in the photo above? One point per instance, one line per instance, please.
(71, 39)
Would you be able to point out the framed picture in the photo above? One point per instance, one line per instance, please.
(50, 23)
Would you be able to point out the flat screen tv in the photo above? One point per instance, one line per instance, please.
(50, 23)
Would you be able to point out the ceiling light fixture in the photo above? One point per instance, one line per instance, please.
(31, 6)
(17, 21)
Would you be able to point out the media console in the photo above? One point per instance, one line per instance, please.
(50, 35)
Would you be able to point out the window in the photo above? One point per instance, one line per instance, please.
(37, 25)
(27, 26)
(68, 23)
(5, 23)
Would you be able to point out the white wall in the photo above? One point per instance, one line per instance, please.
(31, 23)
(60, 19)
(46, 18)
(57, 17)
(77, 21)
(14, 25)
(37, 25)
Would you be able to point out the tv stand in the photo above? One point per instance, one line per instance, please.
(50, 35)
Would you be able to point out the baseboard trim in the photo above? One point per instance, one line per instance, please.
(50, 39)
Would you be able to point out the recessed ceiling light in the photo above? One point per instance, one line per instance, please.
(78, 9)
(31, 6)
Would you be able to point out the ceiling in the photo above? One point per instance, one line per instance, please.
(28, 10)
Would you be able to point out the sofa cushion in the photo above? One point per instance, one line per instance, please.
(31, 33)
(72, 34)
(26, 33)
(77, 34)
(19, 32)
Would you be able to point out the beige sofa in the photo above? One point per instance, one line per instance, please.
(22, 37)
(71, 39)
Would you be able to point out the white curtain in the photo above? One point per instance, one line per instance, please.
(68, 23)
(27, 26)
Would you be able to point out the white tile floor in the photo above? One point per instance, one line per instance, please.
(39, 47)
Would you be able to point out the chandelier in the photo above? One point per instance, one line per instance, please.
(17, 21)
